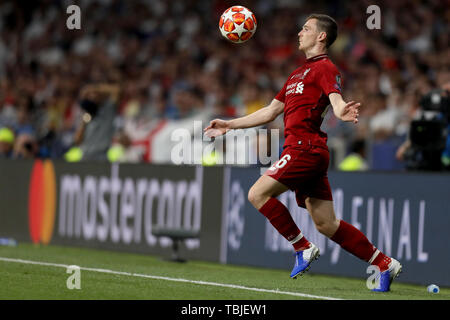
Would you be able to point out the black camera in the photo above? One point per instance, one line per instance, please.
(428, 133)
(438, 101)
(89, 106)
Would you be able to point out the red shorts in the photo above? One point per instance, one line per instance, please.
(303, 169)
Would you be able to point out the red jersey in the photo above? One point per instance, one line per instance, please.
(305, 95)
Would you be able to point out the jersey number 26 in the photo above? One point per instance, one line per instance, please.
(280, 163)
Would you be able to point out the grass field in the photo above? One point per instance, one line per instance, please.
(39, 272)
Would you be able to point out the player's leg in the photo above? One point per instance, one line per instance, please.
(351, 239)
(262, 195)
(263, 189)
(323, 216)
(346, 235)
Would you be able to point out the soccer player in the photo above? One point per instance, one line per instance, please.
(303, 165)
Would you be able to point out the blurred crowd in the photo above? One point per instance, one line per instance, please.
(167, 61)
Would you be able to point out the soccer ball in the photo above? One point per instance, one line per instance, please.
(237, 24)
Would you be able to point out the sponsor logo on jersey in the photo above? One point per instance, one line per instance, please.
(299, 75)
(295, 88)
(305, 73)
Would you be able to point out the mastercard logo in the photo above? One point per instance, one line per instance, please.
(42, 201)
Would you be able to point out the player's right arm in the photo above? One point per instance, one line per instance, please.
(267, 114)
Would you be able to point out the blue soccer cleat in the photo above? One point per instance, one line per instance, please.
(303, 260)
(385, 278)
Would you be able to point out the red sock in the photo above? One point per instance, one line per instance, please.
(355, 242)
(281, 219)
(381, 260)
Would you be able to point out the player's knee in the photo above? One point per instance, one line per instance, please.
(327, 228)
(255, 198)
(252, 196)
(321, 227)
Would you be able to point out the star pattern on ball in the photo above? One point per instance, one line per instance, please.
(237, 24)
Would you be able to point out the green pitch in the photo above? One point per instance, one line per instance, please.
(115, 275)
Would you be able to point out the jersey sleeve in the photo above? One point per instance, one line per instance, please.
(329, 79)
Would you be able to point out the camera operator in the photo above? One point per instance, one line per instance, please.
(428, 144)
(93, 136)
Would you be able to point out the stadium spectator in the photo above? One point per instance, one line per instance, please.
(6, 142)
(25, 147)
(95, 133)
(355, 160)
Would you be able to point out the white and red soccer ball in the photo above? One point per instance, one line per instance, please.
(237, 24)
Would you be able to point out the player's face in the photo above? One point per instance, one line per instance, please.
(307, 36)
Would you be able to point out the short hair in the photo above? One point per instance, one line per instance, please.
(328, 25)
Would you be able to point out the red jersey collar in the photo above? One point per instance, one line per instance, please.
(318, 57)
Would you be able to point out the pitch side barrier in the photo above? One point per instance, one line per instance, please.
(134, 207)
(114, 207)
(406, 215)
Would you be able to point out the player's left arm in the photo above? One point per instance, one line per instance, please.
(345, 111)
(329, 80)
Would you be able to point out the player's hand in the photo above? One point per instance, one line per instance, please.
(217, 127)
(350, 112)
